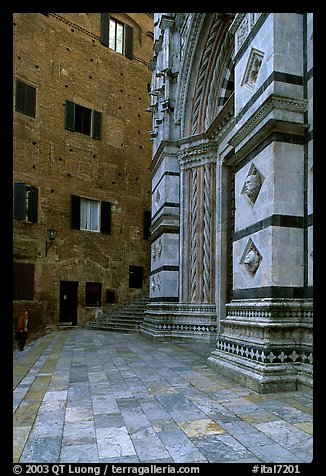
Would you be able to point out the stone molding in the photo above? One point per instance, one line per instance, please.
(196, 21)
(182, 309)
(273, 102)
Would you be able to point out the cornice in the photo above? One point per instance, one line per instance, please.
(273, 102)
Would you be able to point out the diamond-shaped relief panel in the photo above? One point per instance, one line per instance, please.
(250, 259)
(252, 184)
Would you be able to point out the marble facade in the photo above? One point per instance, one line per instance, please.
(231, 251)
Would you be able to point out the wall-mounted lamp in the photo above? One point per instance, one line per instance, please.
(52, 234)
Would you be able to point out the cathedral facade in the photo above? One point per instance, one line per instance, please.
(231, 229)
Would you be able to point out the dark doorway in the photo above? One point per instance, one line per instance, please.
(68, 302)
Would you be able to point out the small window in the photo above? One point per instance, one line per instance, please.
(25, 202)
(25, 98)
(136, 277)
(93, 294)
(23, 282)
(116, 36)
(82, 119)
(89, 215)
(110, 297)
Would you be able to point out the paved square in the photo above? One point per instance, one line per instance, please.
(88, 396)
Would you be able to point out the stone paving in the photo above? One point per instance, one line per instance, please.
(85, 396)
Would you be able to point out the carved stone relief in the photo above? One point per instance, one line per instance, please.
(253, 66)
(252, 185)
(251, 259)
(157, 250)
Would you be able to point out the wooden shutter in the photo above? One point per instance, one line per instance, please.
(75, 212)
(69, 115)
(129, 41)
(33, 205)
(106, 217)
(20, 201)
(96, 124)
(105, 18)
(30, 100)
(25, 98)
(20, 96)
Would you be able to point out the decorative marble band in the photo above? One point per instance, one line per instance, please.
(289, 221)
(269, 314)
(187, 327)
(178, 309)
(276, 292)
(270, 309)
(267, 356)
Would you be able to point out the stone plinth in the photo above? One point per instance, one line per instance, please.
(180, 321)
(266, 344)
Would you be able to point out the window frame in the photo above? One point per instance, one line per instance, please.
(113, 36)
(88, 203)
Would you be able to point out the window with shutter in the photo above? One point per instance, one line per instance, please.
(90, 215)
(82, 119)
(116, 35)
(25, 98)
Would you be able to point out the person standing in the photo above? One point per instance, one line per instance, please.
(22, 332)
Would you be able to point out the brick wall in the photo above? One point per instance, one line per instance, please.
(62, 56)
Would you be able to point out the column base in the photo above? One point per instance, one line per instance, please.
(266, 345)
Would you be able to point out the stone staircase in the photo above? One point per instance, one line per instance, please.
(126, 317)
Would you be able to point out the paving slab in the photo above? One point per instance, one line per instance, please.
(87, 396)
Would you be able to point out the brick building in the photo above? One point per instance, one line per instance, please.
(81, 156)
